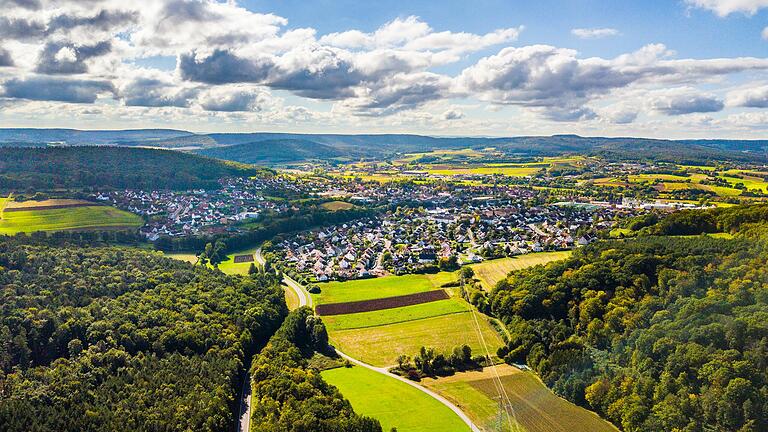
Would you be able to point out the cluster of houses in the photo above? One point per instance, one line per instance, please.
(410, 240)
(195, 212)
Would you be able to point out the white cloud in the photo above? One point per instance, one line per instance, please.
(753, 96)
(594, 33)
(726, 7)
(764, 33)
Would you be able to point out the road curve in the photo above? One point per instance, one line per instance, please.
(305, 299)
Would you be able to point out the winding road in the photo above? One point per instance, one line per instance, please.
(305, 299)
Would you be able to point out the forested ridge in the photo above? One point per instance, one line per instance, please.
(104, 167)
(95, 339)
(653, 333)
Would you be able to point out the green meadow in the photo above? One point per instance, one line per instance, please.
(395, 404)
(71, 218)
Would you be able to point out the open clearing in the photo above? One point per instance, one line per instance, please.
(394, 316)
(381, 345)
(229, 266)
(389, 286)
(182, 256)
(337, 205)
(68, 218)
(537, 409)
(393, 403)
(490, 272)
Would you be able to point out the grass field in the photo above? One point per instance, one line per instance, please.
(381, 345)
(181, 256)
(393, 403)
(73, 218)
(229, 266)
(291, 299)
(536, 408)
(337, 205)
(396, 315)
(390, 286)
(490, 272)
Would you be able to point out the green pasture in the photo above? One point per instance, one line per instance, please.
(393, 403)
(71, 218)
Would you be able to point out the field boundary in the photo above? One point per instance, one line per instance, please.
(381, 303)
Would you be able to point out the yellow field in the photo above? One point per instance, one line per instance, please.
(535, 407)
(487, 170)
(291, 299)
(380, 346)
(490, 272)
(182, 256)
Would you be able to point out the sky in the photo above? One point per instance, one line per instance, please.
(665, 69)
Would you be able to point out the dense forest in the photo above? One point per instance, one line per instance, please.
(289, 395)
(95, 339)
(653, 333)
(33, 169)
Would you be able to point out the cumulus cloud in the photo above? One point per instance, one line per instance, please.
(223, 67)
(764, 33)
(686, 102)
(58, 58)
(751, 97)
(555, 78)
(453, 114)
(57, 89)
(594, 33)
(726, 7)
(235, 100)
(154, 92)
(5, 58)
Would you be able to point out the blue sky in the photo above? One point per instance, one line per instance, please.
(686, 68)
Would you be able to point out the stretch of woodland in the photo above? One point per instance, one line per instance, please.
(654, 333)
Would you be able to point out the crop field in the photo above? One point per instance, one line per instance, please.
(536, 408)
(383, 398)
(510, 171)
(750, 181)
(390, 286)
(381, 345)
(394, 316)
(337, 205)
(381, 303)
(490, 272)
(66, 218)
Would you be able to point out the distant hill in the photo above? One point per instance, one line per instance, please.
(84, 137)
(280, 148)
(276, 151)
(23, 169)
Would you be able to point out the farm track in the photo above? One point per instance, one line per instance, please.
(305, 299)
(382, 303)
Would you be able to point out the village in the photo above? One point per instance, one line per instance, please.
(417, 240)
(197, 212)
